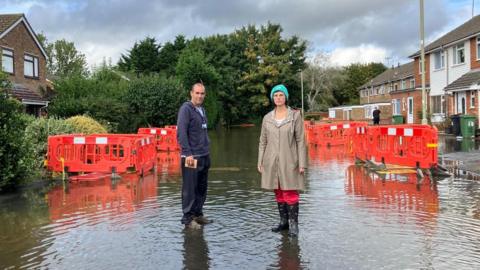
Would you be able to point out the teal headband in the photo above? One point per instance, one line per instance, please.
(279, 88)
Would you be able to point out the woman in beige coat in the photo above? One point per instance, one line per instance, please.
(282, 158)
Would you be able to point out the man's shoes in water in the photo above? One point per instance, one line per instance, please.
(193, 225)
(283, 211)
(202, 220)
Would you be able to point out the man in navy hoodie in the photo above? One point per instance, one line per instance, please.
(193, 139)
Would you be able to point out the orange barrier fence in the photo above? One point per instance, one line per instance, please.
(331, 134)
(101, 153)
(407, 145)
(165, 138)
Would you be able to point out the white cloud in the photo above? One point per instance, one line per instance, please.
(361, 54)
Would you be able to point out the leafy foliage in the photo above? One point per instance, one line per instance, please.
(85, 125)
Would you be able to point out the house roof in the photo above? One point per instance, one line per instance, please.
(391, 74)
(26, 95)
(469, 28)
(468, 81)
(7, 20)
(10, 21)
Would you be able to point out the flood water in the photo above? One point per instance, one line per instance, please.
(349, 219)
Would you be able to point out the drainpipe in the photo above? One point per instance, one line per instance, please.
(447, 67)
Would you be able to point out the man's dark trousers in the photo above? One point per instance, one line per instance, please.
(194, 188)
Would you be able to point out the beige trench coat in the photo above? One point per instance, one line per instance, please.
(282, 151)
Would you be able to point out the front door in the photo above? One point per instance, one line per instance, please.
(410, 110)
(461, 103)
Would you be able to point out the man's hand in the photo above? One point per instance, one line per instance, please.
(260, 169)
(190, 161)
(301, 170)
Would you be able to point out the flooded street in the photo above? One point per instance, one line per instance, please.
(349, 219)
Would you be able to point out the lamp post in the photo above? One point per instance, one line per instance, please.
(301, 83)
(422, 61)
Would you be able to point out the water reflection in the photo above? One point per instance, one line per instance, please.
(448, 144)
(404, 193)
(323, 153)
(109, 196)
(168, 166)
(289, 254)
(195, 250)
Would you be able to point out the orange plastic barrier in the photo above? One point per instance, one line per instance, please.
(331, 134)
(101, 153)
(408, 145)
(165, 138)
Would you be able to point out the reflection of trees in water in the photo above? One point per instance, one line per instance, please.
(195, 250)
(22, 216)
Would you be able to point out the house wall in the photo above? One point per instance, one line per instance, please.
(417, 104)
(416, 71)
(474, 62)
(20, 40)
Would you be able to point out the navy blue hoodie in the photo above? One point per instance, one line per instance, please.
(192, 132)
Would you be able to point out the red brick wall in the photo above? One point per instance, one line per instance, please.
(20, 40)
(474, 63)
(416, 71)
(417, 104)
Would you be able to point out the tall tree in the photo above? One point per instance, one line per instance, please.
(168, 55)
(142, 58)
(356, 75)
(63, 58)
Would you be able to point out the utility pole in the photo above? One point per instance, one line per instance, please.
(473, 8)
(422, 61)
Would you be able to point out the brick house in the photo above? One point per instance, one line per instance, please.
(452, 64)
(387, 91)
(24, 61)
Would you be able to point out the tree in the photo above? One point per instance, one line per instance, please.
(321, 81)
(168, 55)
(142, 58)
(356, 75)
(270, 60)
(192, 67)
(63, 59)
(152, 101)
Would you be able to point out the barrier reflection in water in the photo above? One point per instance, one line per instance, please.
(114, 195)
(325, 153)
(168, 166)
(400, 192)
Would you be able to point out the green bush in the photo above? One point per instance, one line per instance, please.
(14, 167)
(86, 125)
(36, 138)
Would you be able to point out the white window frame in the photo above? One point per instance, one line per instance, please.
(439, 56)
(396, 107)
(33, 60)
(412, 83)
(404, 84)
(10, 54)
(420, 65)
(478, 48)
(456, 51)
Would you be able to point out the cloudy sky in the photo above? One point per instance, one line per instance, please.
(350, 30)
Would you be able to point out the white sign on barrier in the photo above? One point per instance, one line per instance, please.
(79, 140)
(163, 132)
(333, 127)
(101, 140)
(392, 131)
(408, 132)
(346, 126)
(153, 131)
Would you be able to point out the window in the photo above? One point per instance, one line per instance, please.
(7, 61)
(368, 112)
(404, 84)
(396, 107)
(439, 58)
(478, 48)
(30, 66)
(412, 83)
(419, 65)
(459, 54)
(472, 99)
(438, 104)
(395, 87)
